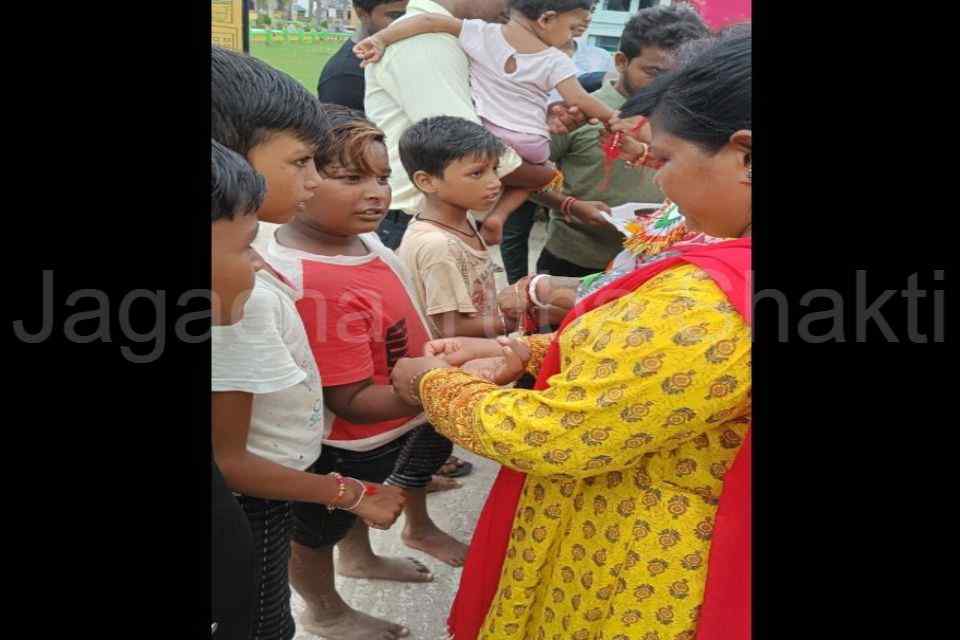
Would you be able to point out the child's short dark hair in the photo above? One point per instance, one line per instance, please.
(252, 101)
(235, 188)
(533, 9)
(351, 134)
(433, 144)
(370, 5)
(662, 27)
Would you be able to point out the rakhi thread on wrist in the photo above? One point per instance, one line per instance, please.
(520, 305)
(503, 321)
(567, 207)
(613, 148)
(341, 489)
(363, 494)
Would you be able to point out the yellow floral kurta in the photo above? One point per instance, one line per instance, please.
(625, 454)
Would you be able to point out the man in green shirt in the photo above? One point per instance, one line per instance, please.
(647, 47)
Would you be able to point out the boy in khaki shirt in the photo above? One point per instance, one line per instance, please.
(453, 162)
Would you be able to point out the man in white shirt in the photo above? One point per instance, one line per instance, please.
(428, 76)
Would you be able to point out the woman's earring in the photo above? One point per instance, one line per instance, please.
(749, 175)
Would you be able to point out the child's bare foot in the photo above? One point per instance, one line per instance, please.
(441, 483)
(492, 230)
(349, 624)
(438, 544)
(380, 568)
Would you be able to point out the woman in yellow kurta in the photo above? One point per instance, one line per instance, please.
(626, 446)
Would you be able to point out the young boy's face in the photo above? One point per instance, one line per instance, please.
(233, 267)
(286, 163)
(470, 183)
(349, 201)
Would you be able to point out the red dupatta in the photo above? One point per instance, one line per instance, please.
(725, 614)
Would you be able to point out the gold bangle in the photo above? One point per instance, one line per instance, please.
(637, 163)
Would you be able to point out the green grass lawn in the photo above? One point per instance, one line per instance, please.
(302, 61)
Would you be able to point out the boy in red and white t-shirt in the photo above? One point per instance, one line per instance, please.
(357, 306)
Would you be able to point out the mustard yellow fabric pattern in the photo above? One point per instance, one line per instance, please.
(625, 454)
(539, 344)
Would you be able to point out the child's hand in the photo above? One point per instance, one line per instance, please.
(369, 50)
(589, 212)
(457, 351)
(382, 505)
(513, 300)
(504, 369)
(562, 119)
(403, 375)
(634, 139)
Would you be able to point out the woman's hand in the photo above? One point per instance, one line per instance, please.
(369, 50)
(635, 137)
(505, 368)
(635, 127)
(404, 372)
(456, 351)
(381, 507)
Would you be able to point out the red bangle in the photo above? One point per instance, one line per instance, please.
(567, 205)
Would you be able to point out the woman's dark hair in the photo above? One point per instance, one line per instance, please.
(235, 188)
(705, 101)
(661, 27)
(533, 9)
(252, 101)
(688, 51)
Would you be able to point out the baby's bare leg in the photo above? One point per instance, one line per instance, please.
(510, 201)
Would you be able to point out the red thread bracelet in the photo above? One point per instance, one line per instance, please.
(341, 489)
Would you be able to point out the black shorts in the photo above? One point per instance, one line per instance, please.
(234, 576)
(270, 524)
(408, 462)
